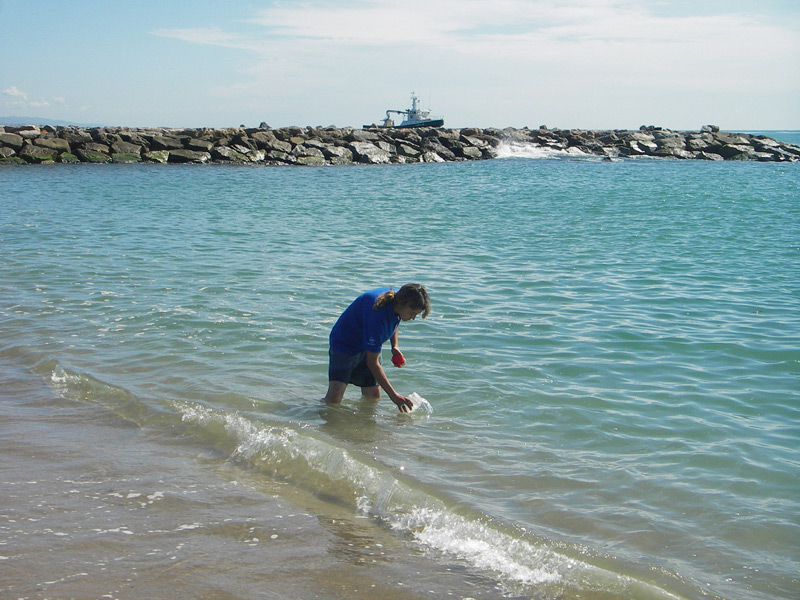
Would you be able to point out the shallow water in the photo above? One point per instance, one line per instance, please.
(612, 365)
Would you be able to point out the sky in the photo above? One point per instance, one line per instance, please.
(593, 64)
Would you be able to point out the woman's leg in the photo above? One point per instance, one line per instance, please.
(372, 392)
(335, 392)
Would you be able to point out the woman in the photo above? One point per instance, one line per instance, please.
(357, 337)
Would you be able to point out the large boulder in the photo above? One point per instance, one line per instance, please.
(430, 156)
(317, 143)
(53, 143)
(264, 139)
(303, 150)
(257, 156)
(609, 138)
(696, 143)
(408, 135)
(279, 156)
(92, 156)
(718, 140)
(330, 136)
(366, 152)
(311, 161)
(390, 148)
(748, 154)
(243, 143)
(784, 154)
(792, 149)
(125, 157)
(642, 142)
(474, 131)
(408, 150)
(29, 132)
(12, 160)
(101, 135)
(338, 155)
(157, 156)
(294, 130)
(242, 149)
(575, 137)
(280, 146)
(763, 156)
(673, 145)
(95, 147)
(227, 154)
(285, 133)
(68, 158)
(197, 144)
(472, 153)
(477, 142)
(164, 142)
(126, 148)
(188, 156)
(75, 135)
(729, 151)
(430, 144)
(12, 140)
(133, 137)
(763, 143)
(38, 154)
(452, 144)
(361, 135)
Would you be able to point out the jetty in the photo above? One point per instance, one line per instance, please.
(318, 146)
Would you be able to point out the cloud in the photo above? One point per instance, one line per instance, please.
(18, 98)
(628, 32)
(387, 23)
(525, 52)
(210, 36)
(16, 94)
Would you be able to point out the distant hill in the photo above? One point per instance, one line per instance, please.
(11, 121)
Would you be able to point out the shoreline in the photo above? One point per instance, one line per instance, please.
(131, 513)
(321, 146)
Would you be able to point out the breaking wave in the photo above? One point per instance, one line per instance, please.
(519, 561)
(515, 149)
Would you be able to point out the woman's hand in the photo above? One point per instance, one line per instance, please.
(398, 360)
(404, 404)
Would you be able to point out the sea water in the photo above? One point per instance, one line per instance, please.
(612, 365)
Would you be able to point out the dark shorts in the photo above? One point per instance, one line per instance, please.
(350, 368)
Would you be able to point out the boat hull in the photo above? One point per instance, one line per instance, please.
(426, 123)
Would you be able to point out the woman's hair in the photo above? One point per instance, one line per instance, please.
(412, 295)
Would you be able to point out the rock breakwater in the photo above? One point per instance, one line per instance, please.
(319, 146)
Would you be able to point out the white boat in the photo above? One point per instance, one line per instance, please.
(414, 116)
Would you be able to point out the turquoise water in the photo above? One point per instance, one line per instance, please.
(612, 359)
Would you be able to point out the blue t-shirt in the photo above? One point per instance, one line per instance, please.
(362, 329)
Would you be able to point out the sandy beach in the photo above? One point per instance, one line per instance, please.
(94, 507)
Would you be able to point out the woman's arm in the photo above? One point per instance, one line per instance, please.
(398, 360)
(403, 403)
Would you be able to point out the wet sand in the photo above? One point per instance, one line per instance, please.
(95, 507)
